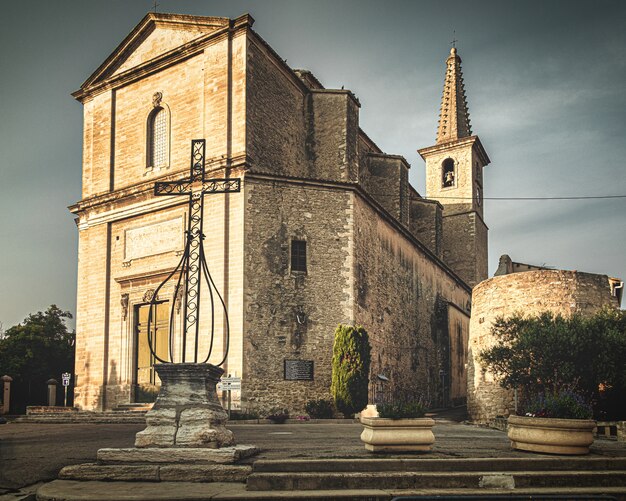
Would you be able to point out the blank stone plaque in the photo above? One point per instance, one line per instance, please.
(157, 238)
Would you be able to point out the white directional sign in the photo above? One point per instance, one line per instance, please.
(229, 384)
(65, 377)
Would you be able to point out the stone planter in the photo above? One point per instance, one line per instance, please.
(397, 435)
(551, 435)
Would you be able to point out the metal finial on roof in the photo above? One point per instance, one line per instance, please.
(154, 6)
(454, 40)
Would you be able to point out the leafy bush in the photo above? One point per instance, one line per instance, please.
(35, 350)
(320, 409)
(350, 369)
(243, 415)
(546, 354)
(399, 410)
(278, 416)
(564, 403)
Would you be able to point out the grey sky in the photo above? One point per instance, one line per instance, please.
(545, 80)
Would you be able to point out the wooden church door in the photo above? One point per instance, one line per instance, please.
(146, 380)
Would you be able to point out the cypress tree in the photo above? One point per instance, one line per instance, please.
(350, 369)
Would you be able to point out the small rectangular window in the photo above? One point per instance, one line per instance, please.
(298, 255)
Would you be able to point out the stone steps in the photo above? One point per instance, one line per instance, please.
(434, 475)
(134, 407)
(156, 472)
(152, 464)
(110, 417)
(67, 490)
(556, 463)
(433, 480)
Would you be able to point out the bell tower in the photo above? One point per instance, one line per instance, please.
(454, 177)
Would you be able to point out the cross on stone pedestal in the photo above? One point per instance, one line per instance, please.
(193, 262)
(187, 412)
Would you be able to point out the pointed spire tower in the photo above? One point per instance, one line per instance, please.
(454, 121)
(454, 177)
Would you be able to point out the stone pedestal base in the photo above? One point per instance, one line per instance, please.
(185, 439)
(187, 412)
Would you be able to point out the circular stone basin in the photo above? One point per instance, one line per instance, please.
(551, 435)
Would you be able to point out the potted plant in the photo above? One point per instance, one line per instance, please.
(558, 422)
(400, 427)
(552, 363)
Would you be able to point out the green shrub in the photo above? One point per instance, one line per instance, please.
(399, 410)
(243, 415)
(278, 416)
(320, 409)
(350, 369)
(547, 354)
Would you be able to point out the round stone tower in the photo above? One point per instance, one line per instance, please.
(529, 292)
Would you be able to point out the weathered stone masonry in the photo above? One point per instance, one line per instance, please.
(375, 247)
(529, 292)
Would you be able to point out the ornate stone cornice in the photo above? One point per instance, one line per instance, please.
(137, 199)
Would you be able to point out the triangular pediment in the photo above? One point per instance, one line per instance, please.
(157, 34)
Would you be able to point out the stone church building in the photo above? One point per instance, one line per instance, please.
(325, 230)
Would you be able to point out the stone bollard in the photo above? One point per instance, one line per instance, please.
(6, 394)
(52, 392)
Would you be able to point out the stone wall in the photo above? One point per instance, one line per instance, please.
(465, 246)
(402, 298)
(464, 231)
(289, 314)
(468, 164)
(426, 224)
(558, 291)
(333, 125)
(118, 200)
(458, 328)
(296, 130)
(91, 321)
(275, 114)
(306, 168)
(388, 184)
(115, 121)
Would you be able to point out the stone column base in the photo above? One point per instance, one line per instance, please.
(187, 412)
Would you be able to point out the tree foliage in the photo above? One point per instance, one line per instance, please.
(350, 369)
(39, 348)
(543, 354)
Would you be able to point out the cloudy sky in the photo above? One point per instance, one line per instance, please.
(545, 80)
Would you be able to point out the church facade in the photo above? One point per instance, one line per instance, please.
(326, 228)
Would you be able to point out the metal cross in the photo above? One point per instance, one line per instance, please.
(154, 6)
(194, 263)
(454, 40)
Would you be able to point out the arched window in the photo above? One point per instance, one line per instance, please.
(448, 174)
(157, 138)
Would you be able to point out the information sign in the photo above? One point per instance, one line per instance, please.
(229, 384)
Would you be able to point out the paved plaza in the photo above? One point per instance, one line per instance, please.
(32, 453)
